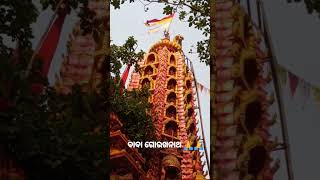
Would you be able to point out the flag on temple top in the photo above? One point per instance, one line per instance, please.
(156, 25)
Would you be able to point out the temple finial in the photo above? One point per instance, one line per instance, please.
(166, 34)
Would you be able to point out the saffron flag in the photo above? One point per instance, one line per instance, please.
(158, 24)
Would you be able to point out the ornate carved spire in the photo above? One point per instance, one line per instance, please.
(173, 111)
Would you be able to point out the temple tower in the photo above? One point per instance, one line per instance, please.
(242, 142)
(171, 84)
(83, 62)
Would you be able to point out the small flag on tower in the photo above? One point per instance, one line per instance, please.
(158, 24)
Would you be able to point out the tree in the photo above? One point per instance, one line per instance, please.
(131, 107)
(125, 54)
(15, 19)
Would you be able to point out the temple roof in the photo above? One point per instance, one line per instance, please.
(175, 44)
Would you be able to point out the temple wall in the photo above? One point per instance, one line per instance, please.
(243, 143)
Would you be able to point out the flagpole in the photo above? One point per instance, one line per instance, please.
(166, 31)
(53, 17)
(273, 64)
(201, 123)
(171, 22)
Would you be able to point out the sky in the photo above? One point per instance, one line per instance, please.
(296, 42)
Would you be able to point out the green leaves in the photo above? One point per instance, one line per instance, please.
(168, 10)
(125, 54)
(15, 19)
(197, 15)
(72, 4)
(182, 15)
(131, 108)
(116, 3)
(203, 50)
(58, 133)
